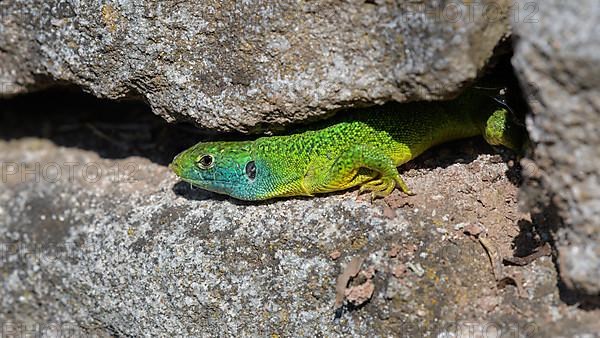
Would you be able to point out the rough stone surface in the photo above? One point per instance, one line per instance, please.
(238, 65)
(559, 65)
(133, 252)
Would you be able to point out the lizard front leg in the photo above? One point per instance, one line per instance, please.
(359, 165)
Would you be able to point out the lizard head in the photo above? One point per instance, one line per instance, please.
(221, 167)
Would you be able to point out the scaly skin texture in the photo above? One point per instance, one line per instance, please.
(363, 149)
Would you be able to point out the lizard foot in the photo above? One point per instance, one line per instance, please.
(380, 187)
(383, 187)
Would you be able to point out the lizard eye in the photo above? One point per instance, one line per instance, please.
(251, 170)
(205, 161)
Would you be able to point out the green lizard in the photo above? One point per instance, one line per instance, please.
(363, 149)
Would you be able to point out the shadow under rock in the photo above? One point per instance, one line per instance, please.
(188, 191)
(113, 129)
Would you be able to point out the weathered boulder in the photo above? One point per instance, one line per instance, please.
(130, 252)
(231, 65)
(559, 65)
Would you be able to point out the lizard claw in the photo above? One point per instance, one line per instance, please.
(402, 185)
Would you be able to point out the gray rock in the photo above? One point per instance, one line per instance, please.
(231, 65)
(131, 252)
(559, 66)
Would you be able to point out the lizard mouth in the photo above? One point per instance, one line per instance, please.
(204, 183)
(208, 184)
